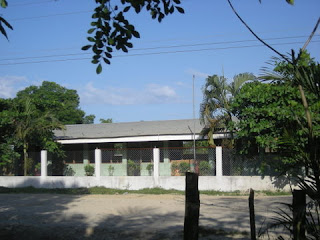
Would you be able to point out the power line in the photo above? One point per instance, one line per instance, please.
(153, 53)
(51, 15)
(164, 40)
(31, 3)
(161, 47)
(216, 43)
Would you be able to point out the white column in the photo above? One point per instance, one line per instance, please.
(156, 161)
(85, 154)
(97, 161)
(44, 163)
(219, 161)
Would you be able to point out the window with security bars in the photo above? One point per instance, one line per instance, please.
(73, 156)
(112, 155)
(140, 154)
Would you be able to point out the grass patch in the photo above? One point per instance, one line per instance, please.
(110, 191)
(205, 231)
(274, 193)
(219, 193)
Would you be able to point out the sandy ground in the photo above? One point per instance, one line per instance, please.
(126, 216)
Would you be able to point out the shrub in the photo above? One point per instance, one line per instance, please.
(111, 170)
(204, 168)
(133, 168)
(183, 168)
(89, 169)
(174, 169)
(150, 168)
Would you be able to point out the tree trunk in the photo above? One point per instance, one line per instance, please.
(25, 158)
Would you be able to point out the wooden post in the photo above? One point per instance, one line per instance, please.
(252, 215)
(192, 208)
(299, 214)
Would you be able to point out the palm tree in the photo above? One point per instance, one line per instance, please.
(215, 111)
(29, 124)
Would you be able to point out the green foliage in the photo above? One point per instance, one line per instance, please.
(133, 168)
(89, 170)
(4, 4)
(215, 112)
(32, 128)
(108, 120)
(183, 168)
(63, 103)
(204, 168)
(112, 31)
(8, 157)
(150, 168)
(89, 119)
(174, 168)
(111, 191)
(27, 122)
(272, 117)
(111, 170)
(265, 110)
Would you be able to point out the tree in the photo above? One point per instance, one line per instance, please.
(63, 103)
(306, 79)
(265, 112)
(7, 153)
(108, 120)
(32, 116)
(33, 128)
(89, 119)
(215, 110)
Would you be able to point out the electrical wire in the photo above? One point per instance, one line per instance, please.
(31, 3)
(47, 16)
(152, 53)
(159, 47)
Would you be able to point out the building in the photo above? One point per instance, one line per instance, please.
(134, 141)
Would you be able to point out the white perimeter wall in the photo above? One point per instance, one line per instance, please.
(218, 183)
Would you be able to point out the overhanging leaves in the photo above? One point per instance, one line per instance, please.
(111, 30)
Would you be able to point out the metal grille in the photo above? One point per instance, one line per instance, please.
(177, 161)
(235, 165)
(127, 162)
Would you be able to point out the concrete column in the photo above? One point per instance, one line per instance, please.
(166, 152)
(85, 154)
(156, 162)
(124, 160)
(44, 163)
(97, 161)
(49, 166)
(219, 171)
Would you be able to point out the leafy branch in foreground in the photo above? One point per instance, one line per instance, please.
(4, 4)
(111, 29)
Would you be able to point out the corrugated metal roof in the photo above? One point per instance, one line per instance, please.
(129, 129)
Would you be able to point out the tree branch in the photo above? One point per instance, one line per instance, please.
(311, 35)
(257, 37)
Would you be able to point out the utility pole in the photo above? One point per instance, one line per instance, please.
(196, 168)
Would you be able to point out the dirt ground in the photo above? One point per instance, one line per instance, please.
(126, 216)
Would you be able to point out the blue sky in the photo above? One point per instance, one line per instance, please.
(155, 83)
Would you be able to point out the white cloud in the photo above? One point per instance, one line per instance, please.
(197, 73)
(150, 94)
(10, 85)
